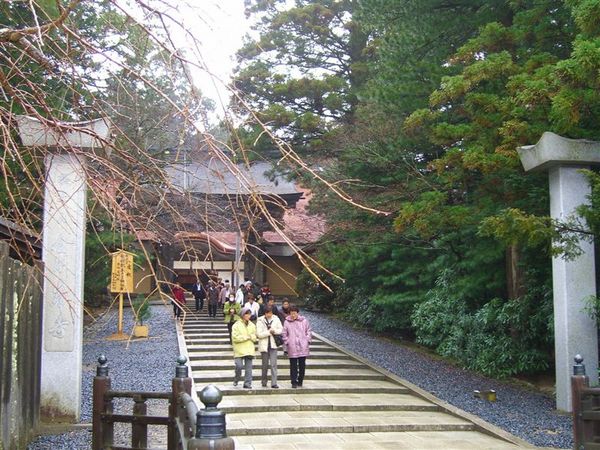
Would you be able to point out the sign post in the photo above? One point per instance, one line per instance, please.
(121, 281)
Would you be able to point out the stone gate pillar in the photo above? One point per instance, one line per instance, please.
(63, 255)
(575, 280)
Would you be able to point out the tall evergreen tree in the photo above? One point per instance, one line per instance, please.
(302, 74)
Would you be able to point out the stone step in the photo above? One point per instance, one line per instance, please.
(257, 423)
(208, 341)
(208, 336)
(206, 330)
(415, 440)
(209, 348)
(209, 376)
(343, 401)
(211, 342)
(311, 387)
(193, 355)
(282, 363)
(325, 402)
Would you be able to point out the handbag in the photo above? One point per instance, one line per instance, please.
(276, 337)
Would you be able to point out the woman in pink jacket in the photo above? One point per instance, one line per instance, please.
(297, 336)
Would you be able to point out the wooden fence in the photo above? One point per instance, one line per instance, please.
(20, 349)
(586, 409)
(187, 427)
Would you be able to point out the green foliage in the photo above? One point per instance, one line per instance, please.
(141, 309)
(301, 75)
(452, 89)
(512, 226)
(591, 212)
(500, 339)
(102, 239)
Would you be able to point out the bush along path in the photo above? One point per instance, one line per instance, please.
(526, 414)
(140, 365)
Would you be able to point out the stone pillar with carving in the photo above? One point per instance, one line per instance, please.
(575, 331)
(63, 254)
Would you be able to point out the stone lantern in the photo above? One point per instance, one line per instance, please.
(572, 280)
(65, 146)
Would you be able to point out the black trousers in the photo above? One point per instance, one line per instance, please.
(297, 369)
(199, 304)
(229, 327)
(176, 310)
(212, 309)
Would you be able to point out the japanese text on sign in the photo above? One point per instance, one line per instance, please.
(121, 279)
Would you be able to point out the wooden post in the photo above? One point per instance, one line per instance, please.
(579, 381)
(120, 325)
(102, 384)
(181, 383)
(139, 431)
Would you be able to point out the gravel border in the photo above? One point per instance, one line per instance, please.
(140, 364)
(526, 414)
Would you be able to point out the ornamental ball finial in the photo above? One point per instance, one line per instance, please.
(578, 359)
(211, 396)
(102, 369)
(181, 360)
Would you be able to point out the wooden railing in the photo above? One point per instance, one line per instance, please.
(187, 427)
(586, 409)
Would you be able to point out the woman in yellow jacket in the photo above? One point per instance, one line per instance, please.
(243, 335)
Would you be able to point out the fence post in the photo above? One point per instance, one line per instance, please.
(102, 433)
(579, 381)
(139, 431)
(211, 432)
(181, 383)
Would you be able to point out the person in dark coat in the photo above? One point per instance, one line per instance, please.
(213, 298)
(199, 294)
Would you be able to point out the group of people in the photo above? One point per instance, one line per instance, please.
(253, 318)
(272, 329)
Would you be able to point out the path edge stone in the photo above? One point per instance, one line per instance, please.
(183, 352)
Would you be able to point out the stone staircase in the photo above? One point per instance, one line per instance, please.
(345, 403)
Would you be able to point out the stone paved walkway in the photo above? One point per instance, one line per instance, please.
(345, 403)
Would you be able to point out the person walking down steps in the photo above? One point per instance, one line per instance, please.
(213, 298)
(268, 329)
(179, 299)
(297, 336)
(231, 311)
(243, 335)
(199, 294)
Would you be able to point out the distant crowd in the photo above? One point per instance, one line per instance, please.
(252, 317)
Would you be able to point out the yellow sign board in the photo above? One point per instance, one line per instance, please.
(121, 279)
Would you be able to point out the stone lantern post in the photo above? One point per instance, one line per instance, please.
(575, 332)
(63, 255)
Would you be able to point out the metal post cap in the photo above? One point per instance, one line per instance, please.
(102, 369)
(579, 367)
(181, 370)
(211, 396)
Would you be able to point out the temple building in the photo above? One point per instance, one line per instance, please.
(222, 223)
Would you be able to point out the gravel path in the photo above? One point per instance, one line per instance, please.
(142, 364)
(528, 415)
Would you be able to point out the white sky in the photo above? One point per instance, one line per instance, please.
(219, 26)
